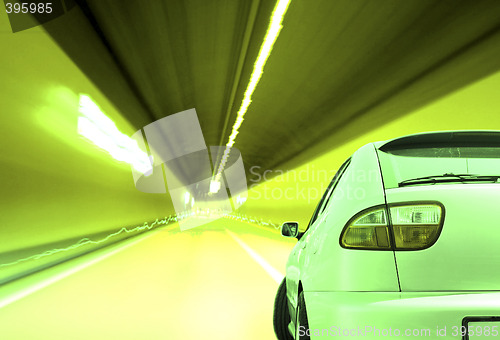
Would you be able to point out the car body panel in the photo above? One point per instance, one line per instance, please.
(360, 314)
(466, 255)
(356, 190)
(433, 288)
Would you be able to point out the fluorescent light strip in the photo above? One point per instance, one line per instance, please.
(265, 50)
(102, 131)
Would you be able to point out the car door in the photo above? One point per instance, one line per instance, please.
(297, 257)
(322, 213)
(330, 266)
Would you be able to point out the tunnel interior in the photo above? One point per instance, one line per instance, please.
(261, 146)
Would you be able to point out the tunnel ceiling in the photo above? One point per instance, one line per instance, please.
(338, 69)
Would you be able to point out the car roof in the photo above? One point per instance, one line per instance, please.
(442, 138)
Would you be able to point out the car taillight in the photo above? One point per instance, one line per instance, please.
(367, 230)
(412, 226)
(416, 226)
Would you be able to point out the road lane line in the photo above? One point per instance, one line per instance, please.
(9, 298)
(275, 274)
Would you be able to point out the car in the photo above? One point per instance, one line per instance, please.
(405, 242)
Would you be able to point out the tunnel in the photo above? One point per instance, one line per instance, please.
(151, 150)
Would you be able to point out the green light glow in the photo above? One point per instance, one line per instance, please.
(102, 131)
(252, 220)
(273, 31)
(145, 226)
(85, 241)
(215, 186)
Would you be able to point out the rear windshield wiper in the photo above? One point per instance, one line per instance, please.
(449, 177)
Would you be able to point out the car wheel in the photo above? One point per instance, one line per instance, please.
(281, 316)
(301, 325)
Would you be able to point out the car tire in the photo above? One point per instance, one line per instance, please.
(281, 316)
(302, 322)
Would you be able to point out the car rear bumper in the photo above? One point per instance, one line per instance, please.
(382, 315)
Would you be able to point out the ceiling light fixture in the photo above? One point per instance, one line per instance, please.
(98, 128)
(273, 31)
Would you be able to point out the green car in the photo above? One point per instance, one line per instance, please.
(405, 243)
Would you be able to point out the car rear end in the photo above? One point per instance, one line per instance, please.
(442, 195)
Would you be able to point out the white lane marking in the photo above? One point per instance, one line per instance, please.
(18, 295)
(275, 274)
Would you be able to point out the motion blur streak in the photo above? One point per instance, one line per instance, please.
(85, 241)
(276, 275)
(199, 284)
(272, 34)
(102, 131)
(7, 299)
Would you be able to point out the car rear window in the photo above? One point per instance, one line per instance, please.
(403, 164)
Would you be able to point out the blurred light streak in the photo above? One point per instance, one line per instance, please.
(102, 131)
(274, 273)
(272, 34)
(85, 241)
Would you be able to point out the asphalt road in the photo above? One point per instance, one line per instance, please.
(217, 281)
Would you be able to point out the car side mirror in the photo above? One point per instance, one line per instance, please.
(290, 229)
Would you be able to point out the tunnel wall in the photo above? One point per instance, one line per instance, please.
(57, 185)
(293, 195)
